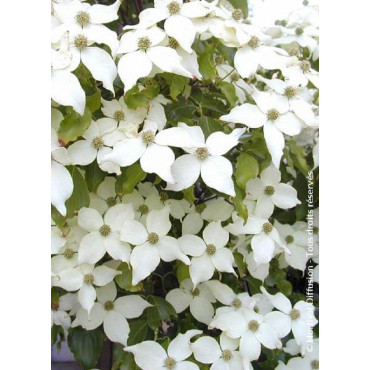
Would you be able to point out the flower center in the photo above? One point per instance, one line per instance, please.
(237, 303)
(294, 314)
(305, 65)
(144, 43)
(153, 238)
(68, 253)
(256, 309)
(315, 364)
(290, 92)
(172, 43)
(234, 77)
(267, 227)
(89, 279)
(143, 209)
(97, 142)
(169, 363)
(202, 153)
(55, 306)
(269, 190)
(299, 31)
(211, 249)
(105, 230)
(174, 7)
(119, 115)
(254, 42)
(200, 207)
(195, 292)
(80, 41)
(238, 14)
(294, 52)
(253, 325)
(82, 18)
(163, 195)
(148, 137)
(226, 355)
(289, 239)
(108, 305)
(273, 114)
(111, 201)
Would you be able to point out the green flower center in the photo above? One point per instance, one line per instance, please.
(315, 364)
(195, 292)
(269, 190)
(294, 314)
(98, 142)
(174, 7)
(148, 137)
(238, 14)
(202, 153)
(237, 303)
(144, 43)
(294, 52)
(111, 201)
(169, 363)
(105, 230)
(290, 92)
(289, 239)
(234, 77)
(273, 114)
(305, 65)
(256, 309)
(200, 207)
(119, 115)
(299, 31)
(89, 279)
(108, 305)
(253, 325)
(254, 42)
(153, 238)
(80, 41)
(82, 18)
(172, 43)
(68, 253)
(143, 209)
(211, 249)
(227, 355)
(267, 227)
(164, 196)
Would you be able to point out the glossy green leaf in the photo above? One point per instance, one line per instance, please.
(161, 311)
(129, 178)
(94, 176)
(176, 83)
(228, 90)
(73, 125)
(240, 207)
(206, 63)
(246, 169)
(209, 125)
(124, 280)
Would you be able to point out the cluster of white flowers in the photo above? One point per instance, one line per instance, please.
(213, 208)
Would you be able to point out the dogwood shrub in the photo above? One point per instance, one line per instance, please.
(184, 157)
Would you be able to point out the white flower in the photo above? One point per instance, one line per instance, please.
(142, 50)
(268, 191)
(206, 160)
(77, 17)
(300, 73)
(272, 113)
(198, 299)
(59, 316)
(151, 355)
(209, 254)
(299, 319)
(252, 330)
(83, 278)
(151, 244)
(112, 312)
(104, 234)
(222, 356)
(105, 196)
(98, 138)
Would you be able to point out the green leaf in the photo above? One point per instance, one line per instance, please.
(176, 83)
(94, 176)
(228, 90)
(124, 280)
(254, 285)
(182, 272)
(161, 311)
(73, 125)
(86, 346)
(240, 207)
(93, 101)
(127, 181)
(206, 63)
(136, 98)
(80, 196)
(189, 194)
(138, 331)
(240, 4)
(181, 109)
(239, 260)
(246, 169)
(209, 125)
(57, 217)
(297, 155)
